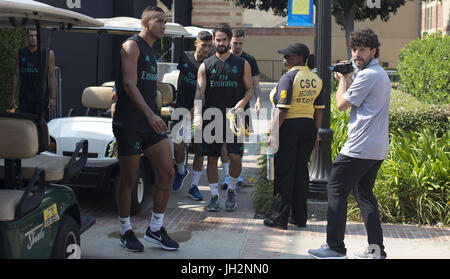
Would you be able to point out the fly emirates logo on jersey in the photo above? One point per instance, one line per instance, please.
(222, 82)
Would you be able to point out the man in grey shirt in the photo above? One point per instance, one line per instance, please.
(367, 146)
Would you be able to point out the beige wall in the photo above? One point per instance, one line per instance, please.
(207, 13)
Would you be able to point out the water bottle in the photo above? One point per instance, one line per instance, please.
(270, 164)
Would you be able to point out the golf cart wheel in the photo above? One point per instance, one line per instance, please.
(67, 241)
(138, 193)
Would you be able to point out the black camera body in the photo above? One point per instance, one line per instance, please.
(343, 68)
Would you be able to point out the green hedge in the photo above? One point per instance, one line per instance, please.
(434, 117)
(10, 41)
(412, 185)
(424, 68)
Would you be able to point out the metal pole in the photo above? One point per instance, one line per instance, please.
(320, 167)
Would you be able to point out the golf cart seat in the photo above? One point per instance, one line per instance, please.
(22, 142)
(55, 168)
(27, 136)
(100, 97)
(168, 95)
(109, 84)
(97, 97)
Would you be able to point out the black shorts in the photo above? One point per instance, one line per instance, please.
(214, 149)
(130, 142)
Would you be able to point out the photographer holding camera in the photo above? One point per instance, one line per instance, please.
(356, 167)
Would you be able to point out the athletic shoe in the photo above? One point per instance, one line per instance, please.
(129, 241)
(230, 203)
(225, 182)
(179, 180)
(374, 253)
(239, 184)
(324, 252)
(194, 193)
(161, 238)
(213, 204)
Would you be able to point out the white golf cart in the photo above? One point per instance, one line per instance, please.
(101, 172)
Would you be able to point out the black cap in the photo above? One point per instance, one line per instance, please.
(295, 48)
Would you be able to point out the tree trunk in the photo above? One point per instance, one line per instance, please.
(349, 26)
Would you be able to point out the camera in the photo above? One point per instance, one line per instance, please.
(343, 68)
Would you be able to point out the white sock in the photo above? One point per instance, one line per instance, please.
(240, 179)
(180, 168)
(125, 225)
(156, 222)
(196, 177)
(233, 182)
(226, 168)
(214, 187)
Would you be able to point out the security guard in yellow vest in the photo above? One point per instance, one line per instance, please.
(298, 107)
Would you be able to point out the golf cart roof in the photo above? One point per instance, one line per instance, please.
(194, 30)
(130, 25)
(22, 13)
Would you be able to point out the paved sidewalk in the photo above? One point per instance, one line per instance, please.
(237, 235)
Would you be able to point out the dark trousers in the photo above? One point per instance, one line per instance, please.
(358, 175)
(296, 142)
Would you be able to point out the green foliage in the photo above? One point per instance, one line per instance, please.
(263, 199)
(338, 123)
(412, 184)
(424, 68)
(10, 41)
(435, 117)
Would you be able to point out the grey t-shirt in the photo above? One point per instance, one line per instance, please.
(368, 127)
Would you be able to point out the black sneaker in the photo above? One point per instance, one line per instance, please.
(129, 241)
(161, 238)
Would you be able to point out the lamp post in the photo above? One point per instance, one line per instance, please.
(320, 166)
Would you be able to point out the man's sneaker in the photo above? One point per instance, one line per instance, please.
(194, 193)
(239, 184)
(179, 179)
(374, 253)
(225, 182)
(230, 203)
(161, 238)
(213, 204)
(129, 241)
(326, 253)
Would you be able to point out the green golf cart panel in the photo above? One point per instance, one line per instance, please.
(33, 235)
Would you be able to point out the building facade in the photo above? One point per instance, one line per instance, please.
(435, 16)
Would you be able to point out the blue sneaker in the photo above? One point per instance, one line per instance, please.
(225, 182)
(179, 179)
(194, 193)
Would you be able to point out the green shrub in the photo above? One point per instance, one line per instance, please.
(424, 68)
(263, 198)
(10, 41)
(338, 123)
(434, 117)
(412, 184)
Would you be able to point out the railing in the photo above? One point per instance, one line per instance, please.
(271, 70)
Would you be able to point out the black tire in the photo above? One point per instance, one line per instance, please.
(67, 241)
(138, 194)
